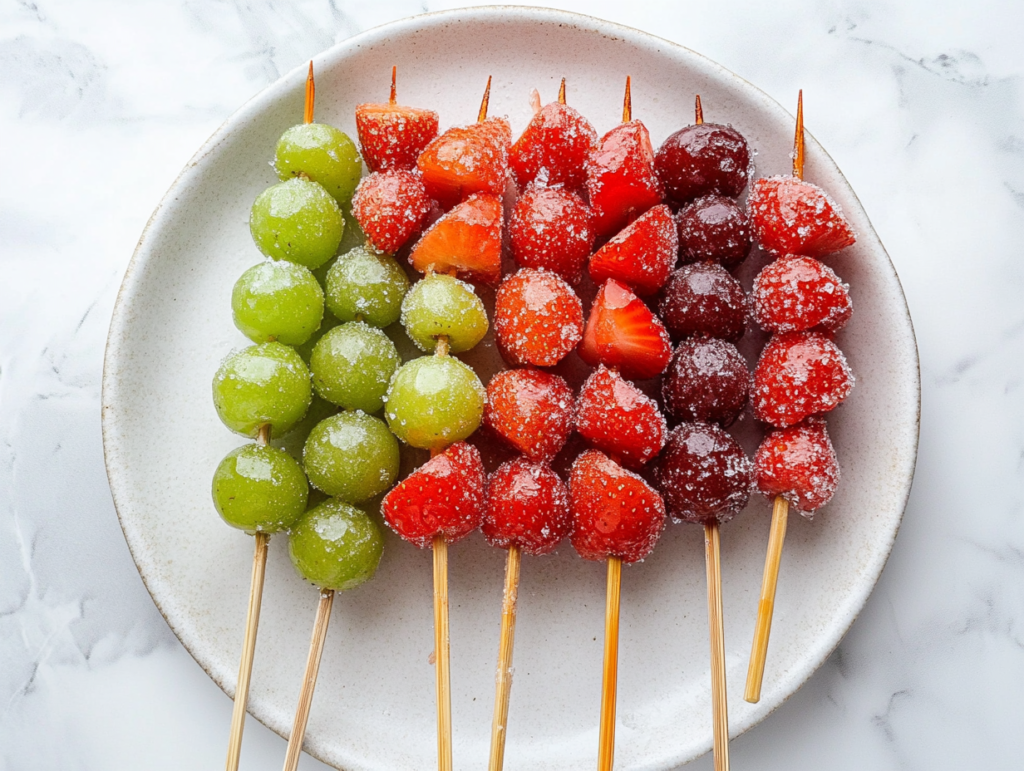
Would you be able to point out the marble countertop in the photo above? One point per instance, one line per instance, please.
(920, 104)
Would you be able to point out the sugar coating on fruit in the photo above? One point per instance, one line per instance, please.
(322, 153)
(799, 374)
(352, 366)
(336, 546)
(714, 228)
(704, 299)
(259, 489)
(622, 333)
(467, 239)
(615, 512)
(703, 159)
(553, 149)
(552, 229)
(704, 474)
(390, 206)
(798, 293)
(297, 221)
(392, 136)
(277, 301)
(466, 160)
(538, 319)
(527, 506)
(368, 285)
(351, 456)
(799, 464)
(445, 496)
(531, 410)
(641, 255)
(792, 216)
(706, 381)
(442, 305)
(621, 183)
(262, 384)
(615, 416)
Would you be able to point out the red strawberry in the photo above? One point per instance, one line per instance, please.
(553, 229)
(617, 417)
(799, 464)
(390, 206)
(799, 374)
(791, 216)
(392, 136)
(554, 148)
(466, 160)
(797, 293)
(621, 181)
(445, 495)
(615, 512)
(623, 333)
(538, 319)
(531, 410)
(527, 506)
(467, 239)
(641, 256)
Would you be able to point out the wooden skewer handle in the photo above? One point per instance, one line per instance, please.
(503, 678)
(716, 626)
(316, 649)
(606, 742)
(766, 606)
(441, 655)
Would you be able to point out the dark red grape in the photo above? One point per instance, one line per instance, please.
(703, 299)
(714, 228)
(707, 380)
(702, 159)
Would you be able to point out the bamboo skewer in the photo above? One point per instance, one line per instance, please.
(780, 511)
(316, 649)
(503, 680)
(441, 655)
(716, 626)
(307, 114)
(609, 682)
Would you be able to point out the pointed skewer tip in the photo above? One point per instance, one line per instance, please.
(798, 139)
(627, 103)
(698, 111)
(307, 116)
(561, 92)
(485, 102)
(394, 84)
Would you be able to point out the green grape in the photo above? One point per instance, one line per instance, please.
(367, 284)
(353, 237)
(328, 323)
(434, 401)
(324, 154)
(260, 489)
(265, 383)
(442, 305)
(277, 301)
(336, 546)
(351, 456)
(352, 366)
(297, 221)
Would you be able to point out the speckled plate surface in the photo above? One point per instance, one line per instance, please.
(374, 705)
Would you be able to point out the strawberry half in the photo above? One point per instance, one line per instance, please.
(641, 256)
(527, 506)
(791, 216)
(538, 319)
(621, 181)
(553, 149)
(615, 513)
(553, 229)
(531, 410)
(466, 239)
(799, 464)
(623, 333)
(795, 293)
(443, 496)
(617, 417)
(466, 160)
(392, 136)
(390, 206)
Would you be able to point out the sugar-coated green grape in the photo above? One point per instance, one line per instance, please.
(354, 236)
(442, 305)
(260, 489)
(365, 283)
(434, 401)
(336, 546)
(352, 366)
(277, 301)
(297, 221)
(324, 154)
(265, 383)
(351, 456)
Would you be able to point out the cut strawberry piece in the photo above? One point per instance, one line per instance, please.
(553, 229)
(623, 333)
(392, 136)
(797, 293)
(799, 374)
(531, 410)
(615, 512)
(390, 206)
(791, 216)
(445, 495)
(617, 417)
(527, 506)
(641, 256)
(621, 181)
(799, 464)
(466, 239)
(466, 160)
(538, 319)
(554, 148)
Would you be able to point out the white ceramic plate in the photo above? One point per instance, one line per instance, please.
(374, 705)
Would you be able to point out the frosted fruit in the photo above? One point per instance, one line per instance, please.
(265, 383)
(366, 284)
(434, 401)
(259, 489)
(277, 301)
(351, 456)
(352, 366)
(324, 154)
(443, 305)
(336, 546)
(297, 221)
